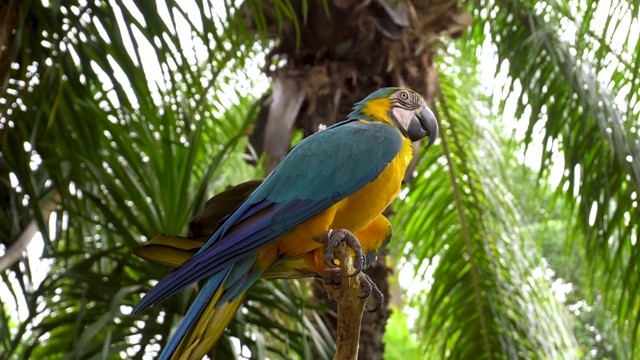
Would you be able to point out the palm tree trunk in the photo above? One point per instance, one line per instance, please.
(334, 61)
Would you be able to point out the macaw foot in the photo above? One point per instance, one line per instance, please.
(369, 288)
(333, 239)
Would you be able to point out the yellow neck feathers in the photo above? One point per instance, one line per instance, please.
(378, 109)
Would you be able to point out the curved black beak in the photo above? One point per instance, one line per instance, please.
(429, 124)
(423, 124)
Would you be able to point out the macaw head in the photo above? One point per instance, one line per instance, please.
(403, 108)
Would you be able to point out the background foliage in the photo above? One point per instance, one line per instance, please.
(118, 119)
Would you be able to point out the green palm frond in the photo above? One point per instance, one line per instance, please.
(120, 118)
(578, 69)
(575, 72)
(136, 112)
(487, 298)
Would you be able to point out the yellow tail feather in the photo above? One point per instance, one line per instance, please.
(210, 326)
(170, 250)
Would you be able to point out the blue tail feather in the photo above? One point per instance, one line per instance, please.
(217, 257)
(239, 287)
(202, 300)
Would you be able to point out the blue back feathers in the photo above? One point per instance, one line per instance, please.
(317, 173)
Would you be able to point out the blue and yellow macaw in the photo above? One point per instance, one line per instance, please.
(340, 178)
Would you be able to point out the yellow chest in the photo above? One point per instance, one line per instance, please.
(358, 210)
(352, 213)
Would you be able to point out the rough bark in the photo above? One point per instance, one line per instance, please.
(346, 291)
(17, 248)
(373, 323)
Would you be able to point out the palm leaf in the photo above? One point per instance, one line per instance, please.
(132, 122)
(555, 58)
(486, 299)
(575, 72)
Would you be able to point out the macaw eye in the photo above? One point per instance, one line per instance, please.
(404, 95)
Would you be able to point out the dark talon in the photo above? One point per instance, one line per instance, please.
(370, 288)
(333, 238)
(329, 254)
(366, 286)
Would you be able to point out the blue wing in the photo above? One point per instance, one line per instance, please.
(317, 173)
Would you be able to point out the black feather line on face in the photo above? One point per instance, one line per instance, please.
(412, 104)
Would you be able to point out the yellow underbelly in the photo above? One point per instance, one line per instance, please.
(352, 213)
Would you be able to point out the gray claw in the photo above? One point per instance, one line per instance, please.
(370, 288)
(333, 238)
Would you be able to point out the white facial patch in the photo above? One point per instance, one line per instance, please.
(403, 116)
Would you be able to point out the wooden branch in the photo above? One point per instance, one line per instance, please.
(17, 249)
(346, 291)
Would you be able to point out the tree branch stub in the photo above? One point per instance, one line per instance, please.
(347, 292)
